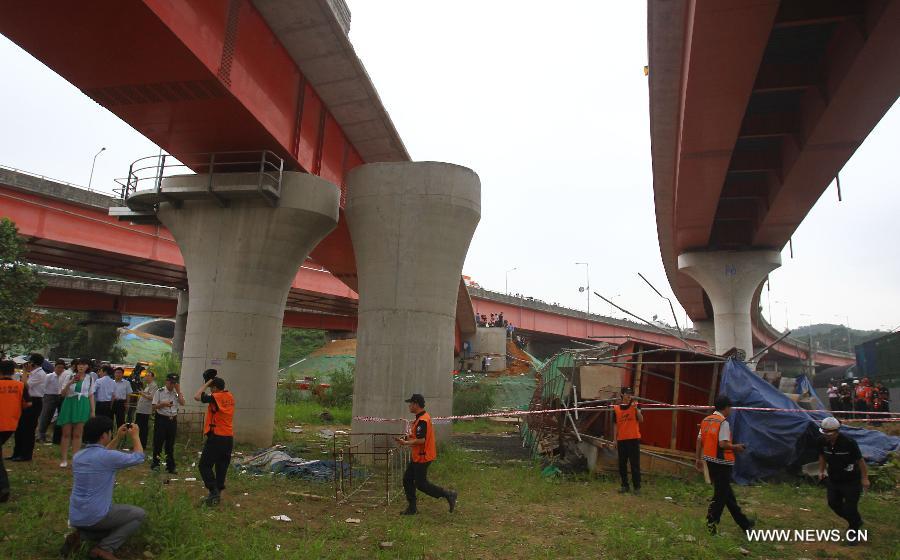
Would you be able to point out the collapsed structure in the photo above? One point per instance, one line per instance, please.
(676, 388)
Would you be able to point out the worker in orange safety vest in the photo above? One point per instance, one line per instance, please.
(627, 431)
(715, 449)
(423, 452)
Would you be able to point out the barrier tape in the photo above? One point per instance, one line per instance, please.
(890, 416)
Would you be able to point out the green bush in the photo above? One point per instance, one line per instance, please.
(287, 391)
(473, 400)
(341, 391)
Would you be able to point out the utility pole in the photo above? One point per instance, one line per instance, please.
(587, 289)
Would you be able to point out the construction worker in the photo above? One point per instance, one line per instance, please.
(13, 400)
(424, 451)
(219, 435)
(841, 461)
(627, 434)
(716, 451)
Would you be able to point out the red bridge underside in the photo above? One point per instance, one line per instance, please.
(193, 77)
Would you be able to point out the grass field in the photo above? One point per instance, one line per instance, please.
(506, 510)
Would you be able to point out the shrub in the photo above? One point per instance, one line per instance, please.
(473, 400)
(341, 391)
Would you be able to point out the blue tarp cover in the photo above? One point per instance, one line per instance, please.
(803, 385)
(777, 441)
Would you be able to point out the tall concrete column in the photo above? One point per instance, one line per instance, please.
(707, 331)
(241, 260)
(411, 225)
(181, 315)
(730, 278)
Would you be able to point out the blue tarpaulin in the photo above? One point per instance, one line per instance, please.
(803, 385)
(779, 441)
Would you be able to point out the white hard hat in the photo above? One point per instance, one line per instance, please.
(830, 423)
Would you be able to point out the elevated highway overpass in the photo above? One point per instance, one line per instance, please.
(68, 227)
(755, 106)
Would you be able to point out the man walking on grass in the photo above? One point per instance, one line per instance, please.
(423, 452)
(847, 475)
(715, 447)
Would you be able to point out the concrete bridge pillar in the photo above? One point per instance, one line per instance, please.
(181, 315)
(730, 278)
(707, 331)
(411, 225)
(240, 261)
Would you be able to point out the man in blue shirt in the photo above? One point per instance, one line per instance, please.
(91, 511)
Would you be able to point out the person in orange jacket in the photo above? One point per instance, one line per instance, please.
(714, 447)
(13, 399)
(627, 431)
(423, 453)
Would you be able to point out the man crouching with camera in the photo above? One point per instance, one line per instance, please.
(217, 427)
(92, 514)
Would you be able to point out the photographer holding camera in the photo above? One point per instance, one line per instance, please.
(165, 404)
(92, 513)
(219, 434)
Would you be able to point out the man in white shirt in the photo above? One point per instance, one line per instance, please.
(165, 403)
(52, 400)
(28, 421)
(120, 395)
(103, 392)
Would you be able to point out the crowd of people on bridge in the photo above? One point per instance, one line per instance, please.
(858, 395)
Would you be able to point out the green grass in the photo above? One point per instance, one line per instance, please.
(482, 426)
(506, 510)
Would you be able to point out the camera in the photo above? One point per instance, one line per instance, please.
(209, 374)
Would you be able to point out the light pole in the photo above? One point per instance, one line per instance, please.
(91, 179)
(507, 278)
(587, 274)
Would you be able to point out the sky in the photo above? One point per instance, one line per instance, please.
(549, 105)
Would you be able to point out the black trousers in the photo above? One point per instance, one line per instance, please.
(164, 436)
(723, 496)
(24, 447)
(216, 456)
(103, 408)
(118, 412)
(416, 478)
(834, 403)
(4, 478)
(143, 424)
(629, 451)
(843, 499)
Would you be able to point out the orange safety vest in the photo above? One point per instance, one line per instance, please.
(11, 404)
(709, 441)
(426, 452)
(627, 426)
(219, 414)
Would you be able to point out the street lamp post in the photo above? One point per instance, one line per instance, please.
(587, 274)
(91, 178)
(507, 278)
(787, 322)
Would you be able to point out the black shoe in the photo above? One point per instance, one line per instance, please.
(750, 525)
(636, 491)
(410, 510)
(623, 490)
(451, 499)
(712, 528)
(72, 543)
(4, 495)
(212, 500)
